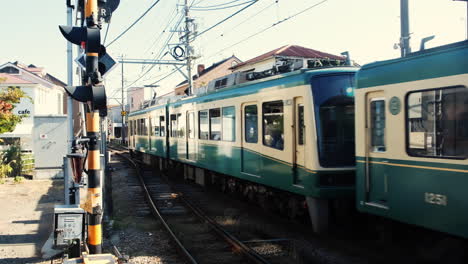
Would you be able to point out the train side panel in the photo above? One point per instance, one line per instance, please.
(412, 139)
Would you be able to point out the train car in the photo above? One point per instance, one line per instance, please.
(412, 139)
(287, 140)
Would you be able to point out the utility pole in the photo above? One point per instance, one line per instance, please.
(405, 34)
(123, 106)
(188, 20)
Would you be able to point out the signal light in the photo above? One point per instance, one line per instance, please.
(96, 94)
(78, 35)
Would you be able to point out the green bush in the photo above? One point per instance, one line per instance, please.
(5, 167)
(13, 156)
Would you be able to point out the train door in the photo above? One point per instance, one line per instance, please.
(299, 140)
(250, 162)
(376, 134)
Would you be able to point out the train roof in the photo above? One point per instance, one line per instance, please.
(285, 80)
(426, 64)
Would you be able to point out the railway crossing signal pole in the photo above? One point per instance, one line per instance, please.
(93, 93)
(94, 197)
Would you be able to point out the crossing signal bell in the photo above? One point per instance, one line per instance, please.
(94, 91)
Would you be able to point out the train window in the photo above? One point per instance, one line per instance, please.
(191, 125)
(229, 123)
(436, 123)
(155, 128)
(145, 126)
(130, 128)
(251, 123)
(273, 125)
(180, 126)
(300, 125)
(377, 125)
(215, 124)
(173, 124)
(135, 127)
(203, 123)
(139, 126)
(162, 126)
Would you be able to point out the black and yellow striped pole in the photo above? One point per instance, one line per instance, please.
(93, 93)
(94, 197)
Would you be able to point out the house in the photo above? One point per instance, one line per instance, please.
(44, 131)
(114, 122)
(205, 75)
(136, 96)
(288, 58)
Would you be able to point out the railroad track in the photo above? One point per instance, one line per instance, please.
(198, 237)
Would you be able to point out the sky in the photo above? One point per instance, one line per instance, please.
(368, 29)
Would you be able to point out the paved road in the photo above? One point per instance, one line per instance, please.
(26, 218)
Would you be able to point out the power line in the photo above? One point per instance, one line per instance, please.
(134, 23)
(107, 31)
(246, 20)
(217, 4)
(220, 8)
(224, 20)
(269, 27)
(157, 56)
(172, 17)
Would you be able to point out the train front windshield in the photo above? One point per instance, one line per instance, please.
(334, 114)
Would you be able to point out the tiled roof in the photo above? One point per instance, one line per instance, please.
(291, 51)
(205, 71)
(11, 79)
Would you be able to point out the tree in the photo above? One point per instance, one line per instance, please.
(9, 96)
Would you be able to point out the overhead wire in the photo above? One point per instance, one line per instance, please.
(269, 27)
(217, 4)
(220, 8)
(134, 23)
(245, 20)
(227, 18)
(107, 31)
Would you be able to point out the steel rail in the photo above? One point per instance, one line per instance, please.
(155, 211)
(238, 245)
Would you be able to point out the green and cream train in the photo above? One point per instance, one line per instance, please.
(285, 140)
(396, 145)
(412, 138)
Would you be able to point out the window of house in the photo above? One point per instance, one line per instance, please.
(436, 123)
(215, 124)
(221, 83)
(203, 124)
(229, 123)
(273, 125)
(59, 104)
(251, 123)
(377, 126)
(162, 126)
